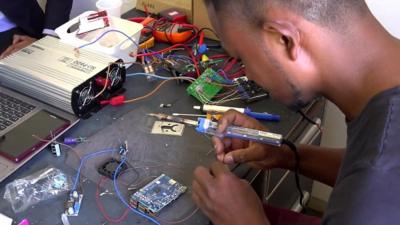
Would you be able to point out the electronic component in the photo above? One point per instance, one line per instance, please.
(157, 194)
(55, 149)
(123, 149)
(206, 86)
(69, 81)
(249, 91)
(149, 69)
(174, 15)
(73, 204)
(165, 105)
(93, 21)
(172, 33)
(108, 168)
(73, 141)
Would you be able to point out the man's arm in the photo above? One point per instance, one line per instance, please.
(318, 163)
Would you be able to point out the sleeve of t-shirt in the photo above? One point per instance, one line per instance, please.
(368, 196)
(57, 13)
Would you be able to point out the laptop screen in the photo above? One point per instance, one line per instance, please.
(21, 142)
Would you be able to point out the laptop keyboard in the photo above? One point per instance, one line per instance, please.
(12, 109)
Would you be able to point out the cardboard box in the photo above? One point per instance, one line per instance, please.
(194, 9)
(200, 18)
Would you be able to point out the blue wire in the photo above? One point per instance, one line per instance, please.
(91, 155)
(109, 31)
(123, 200)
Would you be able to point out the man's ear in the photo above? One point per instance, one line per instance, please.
(288, 35)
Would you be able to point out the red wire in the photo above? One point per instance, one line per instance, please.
(195, 62)
(230, 65)
(220, 56)
(102, 209)
(240, 73)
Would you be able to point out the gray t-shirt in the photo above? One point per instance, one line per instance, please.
(367, 191)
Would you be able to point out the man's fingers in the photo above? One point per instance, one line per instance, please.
(218, 168)
(7, 52)
(203, 177)
(200, 202)
(252, 153)
(17, 38)
(230, 117)
(233, 117)
(219, 145)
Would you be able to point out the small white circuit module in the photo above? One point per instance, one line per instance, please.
(157, 194)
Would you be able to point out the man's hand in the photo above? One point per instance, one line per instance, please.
(257, 155)
(226, 199)
(19, 42)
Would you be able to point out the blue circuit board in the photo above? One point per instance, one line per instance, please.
(157, 194)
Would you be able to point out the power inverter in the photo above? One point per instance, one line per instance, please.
(54, 73)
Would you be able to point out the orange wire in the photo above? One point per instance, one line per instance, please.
(156, 89)
(105, 84)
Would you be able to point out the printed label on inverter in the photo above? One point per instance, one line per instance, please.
(77, 65)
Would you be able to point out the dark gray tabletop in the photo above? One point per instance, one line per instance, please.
(174, 156)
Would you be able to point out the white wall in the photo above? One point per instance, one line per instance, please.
(388, 13)
(334, 136)
(80, 6)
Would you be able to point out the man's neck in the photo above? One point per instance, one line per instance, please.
(362, 69)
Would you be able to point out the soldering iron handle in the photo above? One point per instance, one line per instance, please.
(262, 116)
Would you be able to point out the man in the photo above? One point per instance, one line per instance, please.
(298, 49)
(23, 21)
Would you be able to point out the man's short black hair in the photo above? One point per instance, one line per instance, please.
(330, 13)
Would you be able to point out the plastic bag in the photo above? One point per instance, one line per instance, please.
(42, 185)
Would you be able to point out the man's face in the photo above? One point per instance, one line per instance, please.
(265, 65)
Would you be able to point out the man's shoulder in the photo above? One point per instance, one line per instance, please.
(374, 136)
(369, 179)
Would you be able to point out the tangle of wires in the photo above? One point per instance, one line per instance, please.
(117, 179)
(183, 60)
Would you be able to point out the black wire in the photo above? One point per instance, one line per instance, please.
(307, 117)
(209, 29)
(293, 148)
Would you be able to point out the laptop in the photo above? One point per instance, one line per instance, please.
(26, 127)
